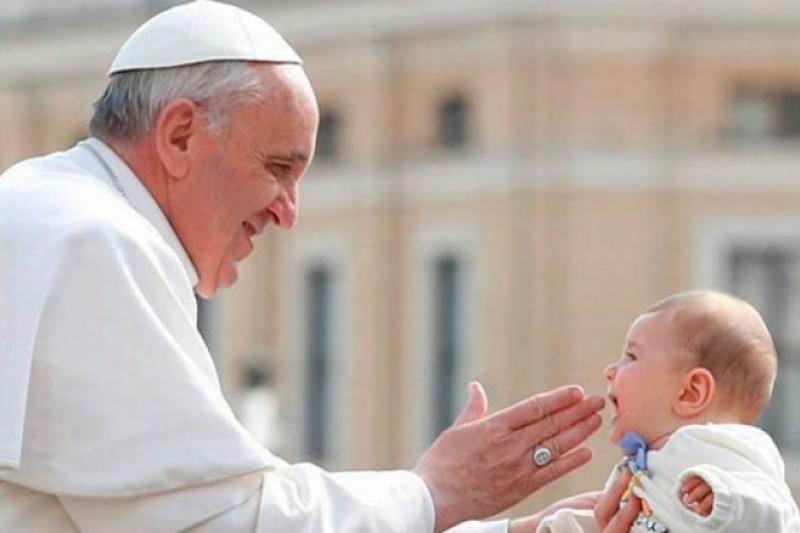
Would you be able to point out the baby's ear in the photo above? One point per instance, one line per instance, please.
(697, 392)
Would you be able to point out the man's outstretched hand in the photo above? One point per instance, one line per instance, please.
(483, 464)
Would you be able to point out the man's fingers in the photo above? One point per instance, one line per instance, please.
(567, 428)
(559, 467)
(483, 463)
(477, 405)
(608, 514)
(608, 505)
(623, 520)
(537, 407)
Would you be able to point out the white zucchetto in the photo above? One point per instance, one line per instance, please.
(200, 31)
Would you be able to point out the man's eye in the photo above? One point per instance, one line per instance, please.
(282, 171)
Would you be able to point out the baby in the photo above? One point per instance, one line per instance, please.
(697, 370)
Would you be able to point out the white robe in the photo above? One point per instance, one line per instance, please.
(741, 465)
(111, 413)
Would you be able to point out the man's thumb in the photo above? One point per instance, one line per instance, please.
(477, 405)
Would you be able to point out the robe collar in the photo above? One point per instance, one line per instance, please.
(120, 176)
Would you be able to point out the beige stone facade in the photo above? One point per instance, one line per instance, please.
(614, 151)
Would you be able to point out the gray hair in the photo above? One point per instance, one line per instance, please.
(132, 100)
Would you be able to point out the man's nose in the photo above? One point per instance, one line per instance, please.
(285, 208)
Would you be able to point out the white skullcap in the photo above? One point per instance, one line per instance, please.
(200, 31)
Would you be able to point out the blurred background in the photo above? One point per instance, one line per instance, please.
(501, 186)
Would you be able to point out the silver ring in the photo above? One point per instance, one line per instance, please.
(542, 456)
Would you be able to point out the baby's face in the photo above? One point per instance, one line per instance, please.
(647, 380)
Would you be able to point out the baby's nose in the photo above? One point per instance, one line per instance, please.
(610, 371)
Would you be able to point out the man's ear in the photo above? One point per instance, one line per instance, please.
(176, 124)
(698, 390)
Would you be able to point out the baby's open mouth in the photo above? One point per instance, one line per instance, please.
(612, 401)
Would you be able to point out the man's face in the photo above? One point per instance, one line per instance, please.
(646, 382)
(246, 177)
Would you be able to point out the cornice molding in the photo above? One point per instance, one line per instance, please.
(51, 49)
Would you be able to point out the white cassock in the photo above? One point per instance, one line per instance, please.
(111, 415)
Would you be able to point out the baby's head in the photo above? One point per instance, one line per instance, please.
(691, 358)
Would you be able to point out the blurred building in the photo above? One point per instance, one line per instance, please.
(500, 187)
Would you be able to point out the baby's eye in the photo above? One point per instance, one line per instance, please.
(629, 356)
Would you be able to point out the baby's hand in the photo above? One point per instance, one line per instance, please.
(697, 495)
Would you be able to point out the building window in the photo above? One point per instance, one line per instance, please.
(766, 114)
(454, 122)
(318, 383)
(447, 356)
(441, 314)
(768, 276)
(329, 136)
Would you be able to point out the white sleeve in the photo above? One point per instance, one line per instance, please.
(298, 498)
(568, 521)
(743, 502)
(363, 502)
(495, 526)
(305, 499)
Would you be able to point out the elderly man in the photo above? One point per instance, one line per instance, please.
(111, 413)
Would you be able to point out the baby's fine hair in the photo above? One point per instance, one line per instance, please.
(730, 339)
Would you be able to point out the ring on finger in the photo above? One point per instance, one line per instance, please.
(541, 455)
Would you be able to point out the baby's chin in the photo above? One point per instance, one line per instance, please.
(617, 432)
(615, 437)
